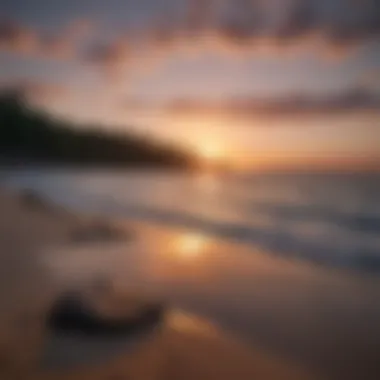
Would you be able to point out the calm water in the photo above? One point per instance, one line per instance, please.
(329, 219)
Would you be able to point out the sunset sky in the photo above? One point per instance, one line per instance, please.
(260, 82)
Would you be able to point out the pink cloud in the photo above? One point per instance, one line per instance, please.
(353, 100)
(229, 26)
(35, 91)
(21, 39)
(16, 38)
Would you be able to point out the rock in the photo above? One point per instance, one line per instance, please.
(73, 313)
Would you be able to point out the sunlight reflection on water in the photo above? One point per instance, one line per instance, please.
(190, 245)
(186, 322)
(208, 183)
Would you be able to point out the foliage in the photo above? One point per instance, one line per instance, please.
(34, 136)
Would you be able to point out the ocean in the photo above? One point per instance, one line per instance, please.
(326, 219)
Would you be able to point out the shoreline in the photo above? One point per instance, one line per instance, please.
(336, 239)
(32, 229)
(289, 314)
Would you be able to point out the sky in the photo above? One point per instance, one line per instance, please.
(258, 83)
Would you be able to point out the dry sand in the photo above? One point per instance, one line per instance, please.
(38, 248)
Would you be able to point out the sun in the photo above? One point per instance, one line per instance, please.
(210, 152)
(191, 245)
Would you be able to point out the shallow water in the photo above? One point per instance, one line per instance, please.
(330, 219)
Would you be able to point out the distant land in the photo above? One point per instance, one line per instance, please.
(29, 136)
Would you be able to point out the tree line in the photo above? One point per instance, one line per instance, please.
(29, 135)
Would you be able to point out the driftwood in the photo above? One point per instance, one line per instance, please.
(71, 313)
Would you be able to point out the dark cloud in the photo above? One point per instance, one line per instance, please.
(336, 25)
(240, 22)
(355, 100)
(111, 57)
(300, 19)
(14, 37)
(339, 25)
(358, 21)
(337, 22)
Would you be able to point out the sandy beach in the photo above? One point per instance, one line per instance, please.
(232, 312)
(190, 190)
(34, 239)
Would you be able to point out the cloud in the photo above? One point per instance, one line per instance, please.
(110, 57)
(44, 91)
(359, 21)
(199, 15)
(300, 19)
(17, 38)
(79, 29)
(65, 43)
(250, 24)
(338, 21)
(331, 28)
(371, 79)
(35, 91)
(58, 47)
(354, 100)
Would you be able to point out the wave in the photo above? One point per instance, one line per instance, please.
(341, 251)
(356, 221)
(331, 221)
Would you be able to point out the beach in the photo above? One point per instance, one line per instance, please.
(190, 190)
(184, 347)
(232, 312)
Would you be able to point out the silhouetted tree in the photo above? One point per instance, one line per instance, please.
(35, 136)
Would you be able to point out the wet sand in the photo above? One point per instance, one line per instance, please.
(232, 312)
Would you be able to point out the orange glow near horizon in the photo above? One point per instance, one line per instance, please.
(287, 148)
(191, 245)
(210, 152)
